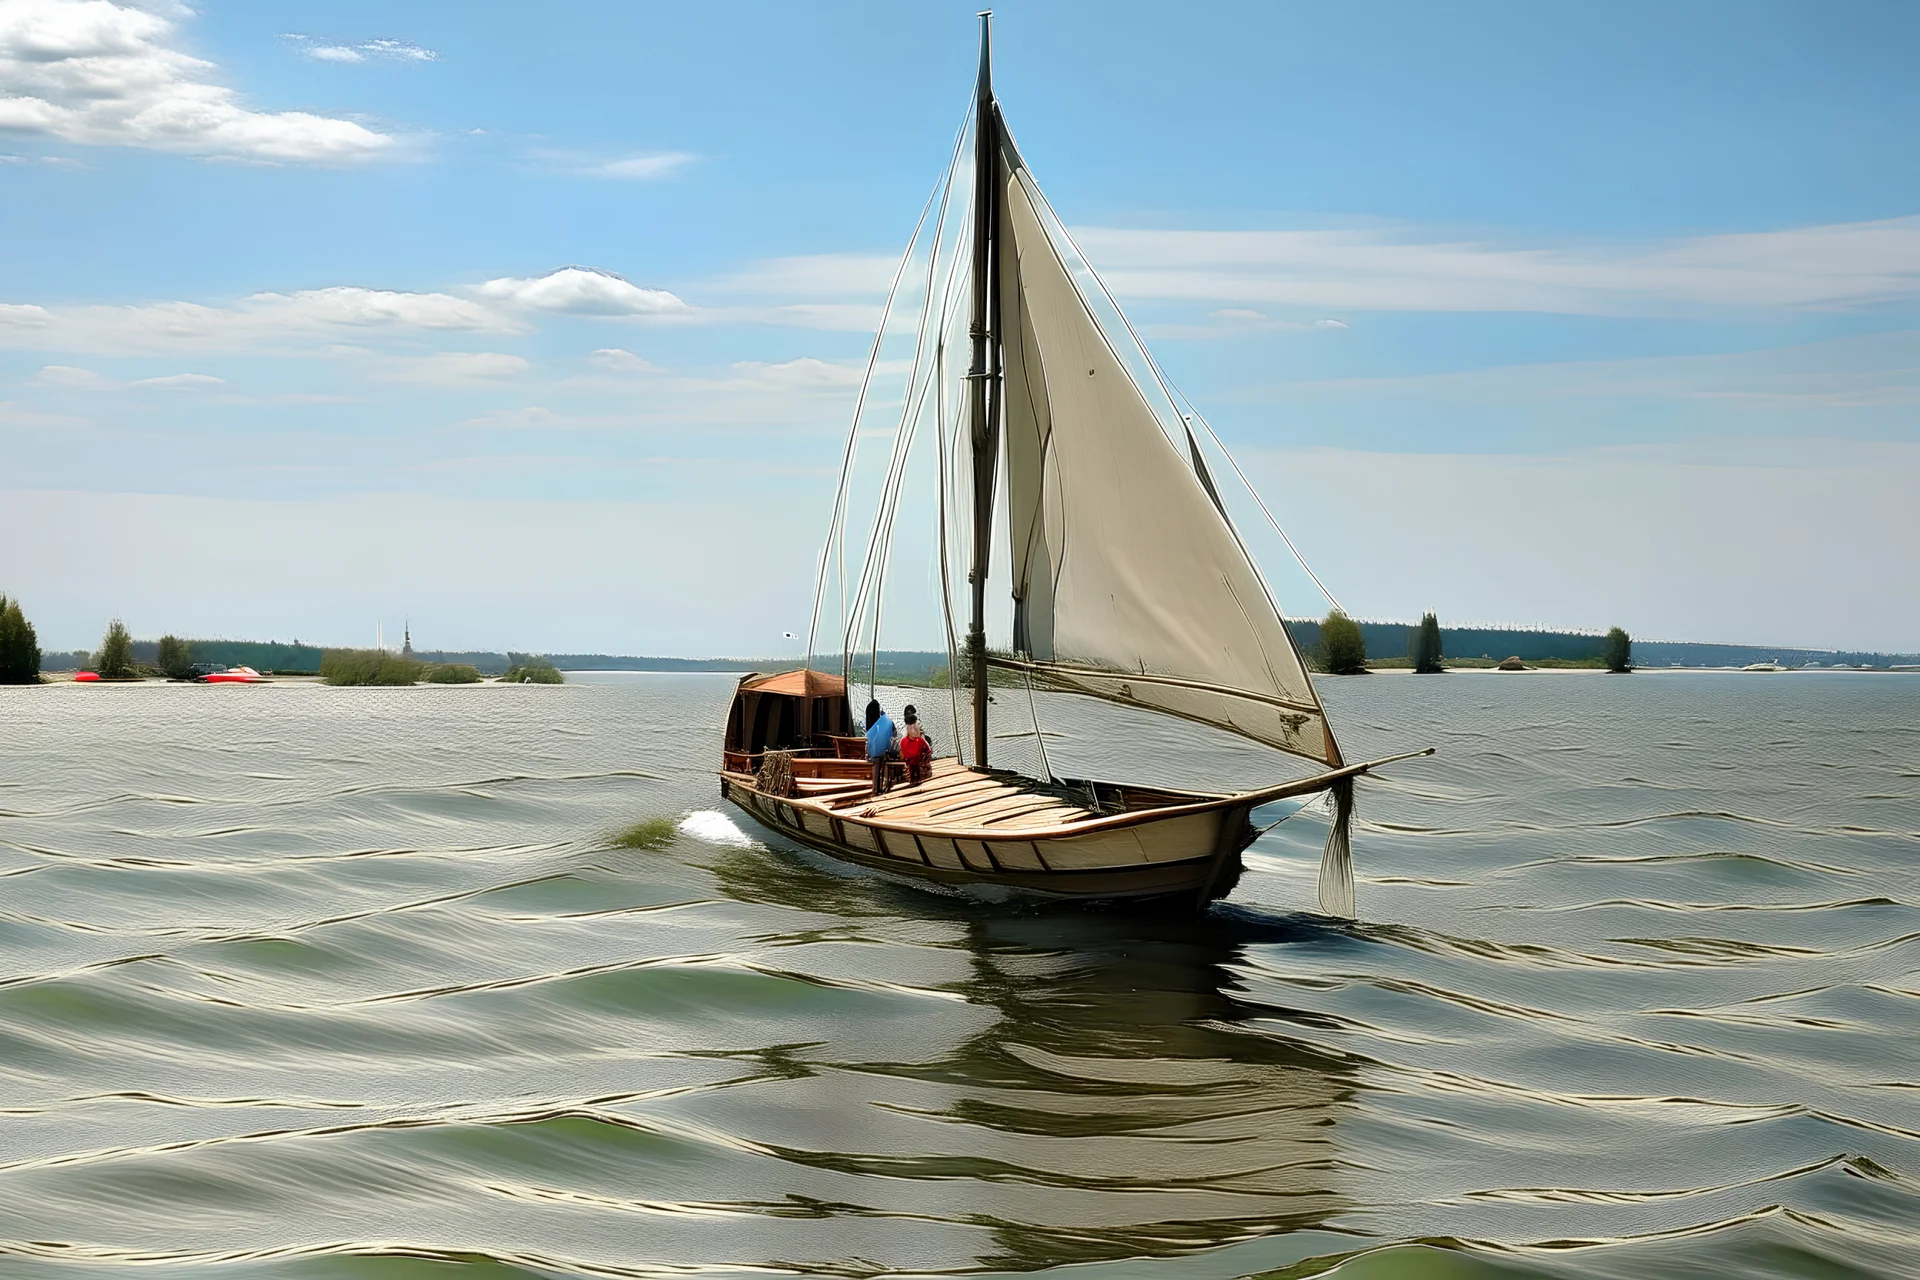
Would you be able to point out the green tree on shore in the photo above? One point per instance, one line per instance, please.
(1423, 646)
(1343, 650)
(175, 658)
(531, 668)
(1618, 651)
(19, 646)
(115, 659)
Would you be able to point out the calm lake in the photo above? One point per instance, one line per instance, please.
(310, 982)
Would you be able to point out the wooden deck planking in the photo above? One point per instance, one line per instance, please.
(921, 803)
(953, 795)
(989, 812)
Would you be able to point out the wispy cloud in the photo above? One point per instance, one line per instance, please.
(48, 162)
(181, 381)
(622, 361)
(360, 51)
(1397, 268)
(635, 166)
(1868, 371)
(261, 321)
(99, 73)
(73, 378)
(643, 167)
(66, 375)
(802, 374)
(1229, 322)
(1268, 278)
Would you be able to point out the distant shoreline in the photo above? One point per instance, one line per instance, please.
(55, 678)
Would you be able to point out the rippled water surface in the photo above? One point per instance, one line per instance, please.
(298, 981)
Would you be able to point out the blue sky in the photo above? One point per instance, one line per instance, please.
(1535, 314)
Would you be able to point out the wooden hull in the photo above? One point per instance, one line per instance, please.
(963, 829)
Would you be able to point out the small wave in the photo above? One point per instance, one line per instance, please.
(1656, 904)
(1716, 855)
(1578, 1195)
(1718, 815)
(1719, 948)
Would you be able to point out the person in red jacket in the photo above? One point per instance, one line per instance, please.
(915, 748)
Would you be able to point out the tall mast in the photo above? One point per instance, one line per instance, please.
(983, 373)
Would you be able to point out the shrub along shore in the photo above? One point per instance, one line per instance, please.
(381, 667)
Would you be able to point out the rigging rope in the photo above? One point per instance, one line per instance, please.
(940, 532)
(1197, 416)
(910, 414)
(837, 525)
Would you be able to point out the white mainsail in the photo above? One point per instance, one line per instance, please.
(1128, 582)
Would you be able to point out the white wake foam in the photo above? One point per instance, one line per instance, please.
(715, 828)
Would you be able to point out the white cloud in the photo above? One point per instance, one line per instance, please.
(382, 50)
(19, 317)
(621, 361)
(100, 73)
(657, 164)
(583, 291)
(181, 381)
(352, 305)
(1410, 269)
(260, 321)
(66, 375)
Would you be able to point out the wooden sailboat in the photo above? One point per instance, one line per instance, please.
(1128, 583)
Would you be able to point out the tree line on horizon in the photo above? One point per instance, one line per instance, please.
(1342, 649)
(119, 657)
(1351, 645)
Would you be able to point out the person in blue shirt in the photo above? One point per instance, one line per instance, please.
(879, 744)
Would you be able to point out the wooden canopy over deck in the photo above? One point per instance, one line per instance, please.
(803, 683)
(787, 711)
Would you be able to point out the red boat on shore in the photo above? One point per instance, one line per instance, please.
(232, 675)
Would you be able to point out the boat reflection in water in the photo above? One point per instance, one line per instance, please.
(1116, 1100)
